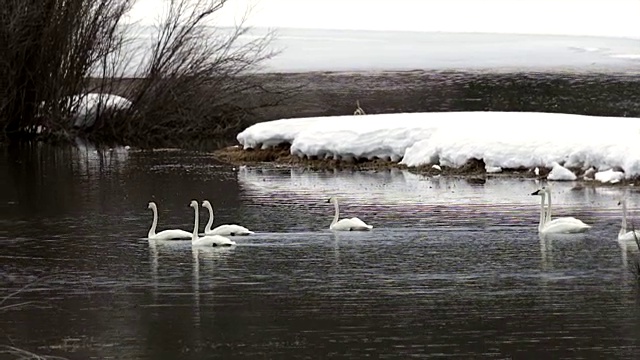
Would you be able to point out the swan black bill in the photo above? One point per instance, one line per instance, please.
(537, 192)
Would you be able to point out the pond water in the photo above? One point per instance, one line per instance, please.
(453, 268)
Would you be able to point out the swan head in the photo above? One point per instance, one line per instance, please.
(331, 200)
(539, 192)
(206, 204)
(194, 204)
(151, 205)
(543, 190)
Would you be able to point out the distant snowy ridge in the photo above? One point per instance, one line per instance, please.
(500, 139)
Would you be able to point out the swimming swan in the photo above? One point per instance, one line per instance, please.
(624, 234)
(346, 224)
(166, 234)
(225, 230)
(211, 240)
(563, 225)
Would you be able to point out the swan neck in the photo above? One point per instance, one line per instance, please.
(210, 222)
(194, 237)
(624, 217)
(548, 215)
(542, 213)
(337, 213)
(152, 231)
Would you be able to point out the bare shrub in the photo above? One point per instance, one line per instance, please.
(48, 49)
(197, 82)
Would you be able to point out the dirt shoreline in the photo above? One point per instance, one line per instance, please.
(473, 171)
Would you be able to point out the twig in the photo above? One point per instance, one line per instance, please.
(359, 110)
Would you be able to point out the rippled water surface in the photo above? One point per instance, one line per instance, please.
(452, 268)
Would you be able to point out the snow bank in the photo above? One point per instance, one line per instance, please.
(86, 113)
(501, 139)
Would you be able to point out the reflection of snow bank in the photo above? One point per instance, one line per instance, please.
(396, 187)
(501, 139)
(92, 160)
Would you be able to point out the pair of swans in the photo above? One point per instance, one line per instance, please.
(563, 225)
(353, 224)
(207, 240)
(176, 234)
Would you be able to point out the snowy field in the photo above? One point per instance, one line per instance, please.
(501, 139)
(354, 35)
(348, 50)
(303, 50)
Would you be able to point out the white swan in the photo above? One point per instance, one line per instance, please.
(211, 240)
(225, 230)
(563, 225)
(166, 234)
(624, 234)
(346, 224)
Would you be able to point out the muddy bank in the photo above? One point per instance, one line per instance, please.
(474, 170)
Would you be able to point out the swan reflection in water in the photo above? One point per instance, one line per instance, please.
(175, 249)
(170, 248)
(547, 243)
(210, 255)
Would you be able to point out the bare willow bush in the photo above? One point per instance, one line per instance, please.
(47, 49)
(195, 83)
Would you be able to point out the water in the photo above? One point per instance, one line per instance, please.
(452, 269)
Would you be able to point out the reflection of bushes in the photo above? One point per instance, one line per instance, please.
(194, 83)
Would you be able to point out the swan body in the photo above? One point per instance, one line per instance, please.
(224, 230)
(624, 234)
(209, 240)
(172, 234)
(563, 225)
(353, 224)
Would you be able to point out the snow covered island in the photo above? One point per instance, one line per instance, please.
(557, 146)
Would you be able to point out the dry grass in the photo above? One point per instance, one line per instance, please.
(17, 353)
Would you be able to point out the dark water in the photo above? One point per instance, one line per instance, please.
(451, 269)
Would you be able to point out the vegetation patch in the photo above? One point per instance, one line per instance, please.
(194, 83)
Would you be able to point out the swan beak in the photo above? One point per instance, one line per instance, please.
(619, 203)
(328, 200)
(537, 192)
